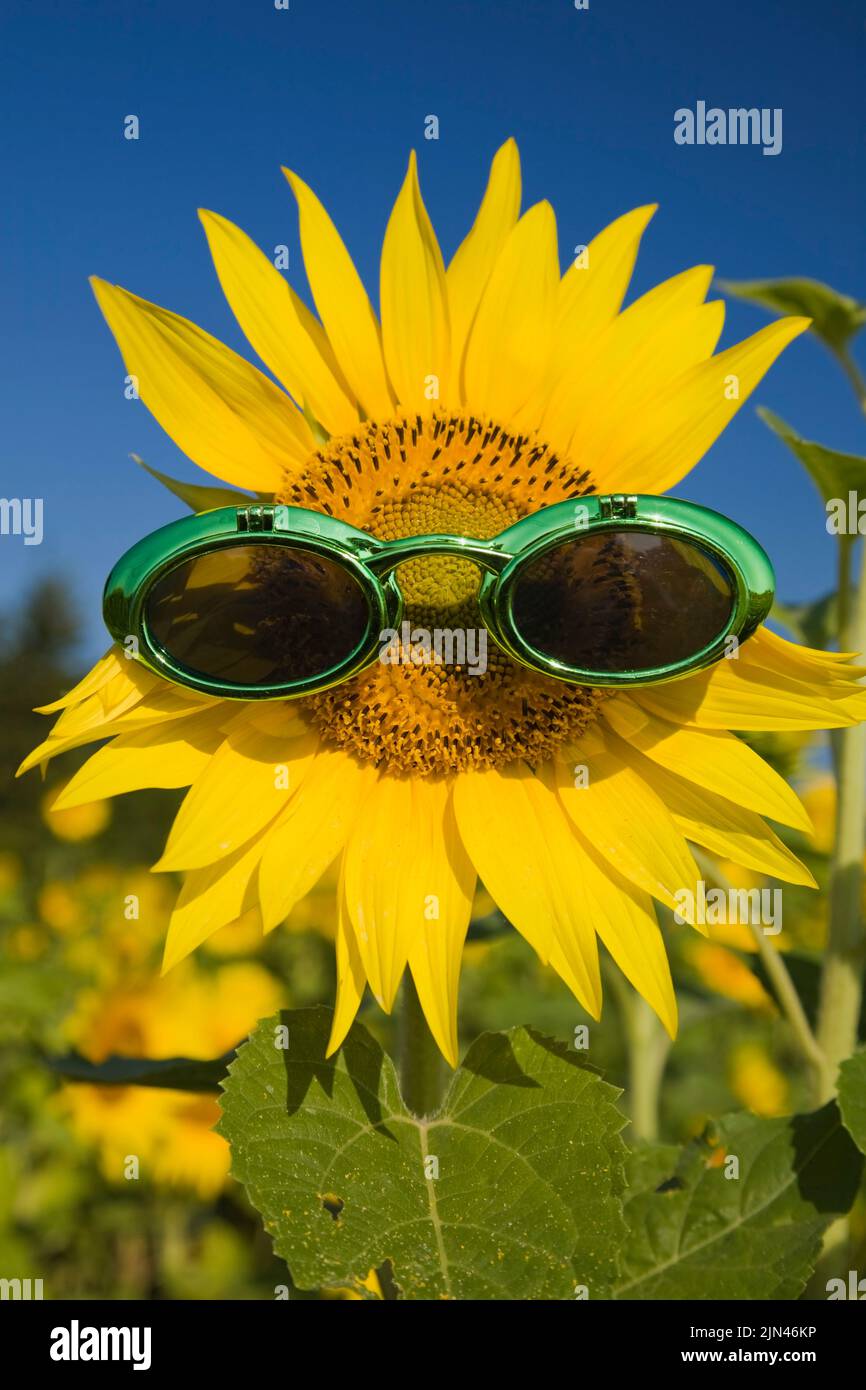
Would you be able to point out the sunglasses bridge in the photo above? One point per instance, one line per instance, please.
(381, 557)
(391, 554)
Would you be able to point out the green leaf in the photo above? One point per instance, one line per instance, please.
(753, 1236)
(530, 1165)
(835, 317)
(172, 1073)
(194, 495)
(852, 1097)
(834, 474)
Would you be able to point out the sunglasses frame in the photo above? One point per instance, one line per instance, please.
(373, 564)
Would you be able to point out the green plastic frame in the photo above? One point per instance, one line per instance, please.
(373, 564)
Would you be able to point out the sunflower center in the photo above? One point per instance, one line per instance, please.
(456, 703)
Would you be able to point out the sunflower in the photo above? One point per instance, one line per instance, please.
(756, 1081)
(192, 1014)
(75, 823)
(481, 393)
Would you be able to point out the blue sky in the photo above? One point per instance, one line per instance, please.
(228, 91)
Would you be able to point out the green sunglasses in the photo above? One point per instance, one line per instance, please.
(270, 602)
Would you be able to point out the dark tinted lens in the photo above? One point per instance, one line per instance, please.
(257, 614)
(622, 601)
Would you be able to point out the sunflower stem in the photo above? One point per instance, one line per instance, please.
(422, 1068)
(841, 978)
(843, 623)
(779, 976)
(789, 999)
(647, 1045)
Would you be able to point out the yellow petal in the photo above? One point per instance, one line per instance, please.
(625, 920)
(246, 783)
(594, 286)
(221, 411)
(109, 666)
(131, 679)
(652, 310)
(90, 721)
(477, 254)
(279, 326)
(165, 756)
(724, 828)
(807, 672)
(738, 694)
(631, 384)
(520, 841)
(770, 652)
(436, 955)
(342, 302)
(397, 871)
(854, 706)
(310, 833)
(619, 371)
(414, 302)
(510, 340)
(212, 898)
(719, 761)
(129, 686)
(654, 450)
(351, 979)
(614, 808)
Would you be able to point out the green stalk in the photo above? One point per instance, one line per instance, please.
(647, 1046)
(778, 974)
(841, 980)
(845, 545)
(422, 1067)
(789, 1000)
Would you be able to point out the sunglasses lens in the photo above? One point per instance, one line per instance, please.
(257, 614)
(618, 601)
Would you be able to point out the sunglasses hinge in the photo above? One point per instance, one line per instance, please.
(256, 518)
(618, 506)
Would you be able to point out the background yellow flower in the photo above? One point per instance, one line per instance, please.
(193, 1013)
